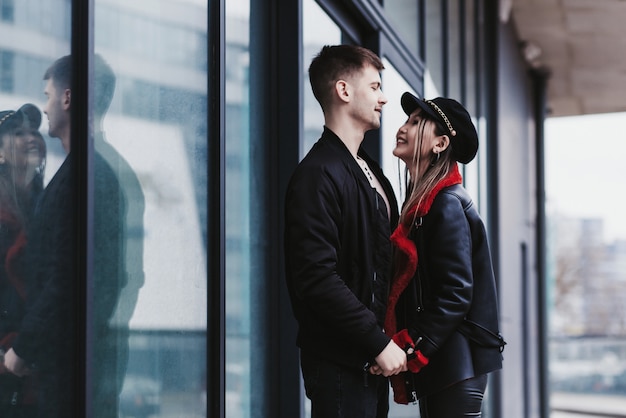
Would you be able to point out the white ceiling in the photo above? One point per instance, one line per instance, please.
(583, 45)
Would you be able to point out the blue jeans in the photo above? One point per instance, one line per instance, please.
(336, 391)
(463, 399)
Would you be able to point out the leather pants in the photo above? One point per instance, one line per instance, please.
(462, 399)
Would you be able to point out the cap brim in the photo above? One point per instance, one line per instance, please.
(409, 103)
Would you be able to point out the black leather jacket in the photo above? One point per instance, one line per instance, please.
(453, 290)
(338, 254)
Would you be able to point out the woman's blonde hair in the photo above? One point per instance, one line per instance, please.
(439, 167)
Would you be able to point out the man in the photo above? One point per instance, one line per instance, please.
(339, 213)
(47, 339)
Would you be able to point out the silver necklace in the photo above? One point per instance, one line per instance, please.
(365, 168)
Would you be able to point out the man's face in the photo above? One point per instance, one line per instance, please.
(368, 97)
(56, 109)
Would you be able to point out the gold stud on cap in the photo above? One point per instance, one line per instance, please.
(443, 115)
(7, 116)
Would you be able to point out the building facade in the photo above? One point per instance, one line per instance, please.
(212, 112)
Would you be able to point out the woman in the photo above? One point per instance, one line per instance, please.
(442, 304)
(22, 161)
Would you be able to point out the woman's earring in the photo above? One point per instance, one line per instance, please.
(435, 160)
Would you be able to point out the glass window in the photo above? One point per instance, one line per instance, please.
(455, 53)
(404, 17)
(318, 30)
(585, 265)
(238, 203)
(473, 172)
(148, 314)
(7, 71)
(434, 43)
(37, 218)
(6, 10)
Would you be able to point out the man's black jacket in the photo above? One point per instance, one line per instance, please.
(334, 242)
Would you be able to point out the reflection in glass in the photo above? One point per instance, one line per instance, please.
(118, 259)
(239, 251)
(22, 163)
(37, 274)
(150, 176)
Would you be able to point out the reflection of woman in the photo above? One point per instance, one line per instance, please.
(22, 160)
(442, 304)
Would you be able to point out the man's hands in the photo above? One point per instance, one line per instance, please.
(390, 361)
(415, 359)
(14, 364)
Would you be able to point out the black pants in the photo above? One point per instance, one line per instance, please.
(339, 392)
(463, 399)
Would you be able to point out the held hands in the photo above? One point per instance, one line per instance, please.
(392, 360)
(415, 359)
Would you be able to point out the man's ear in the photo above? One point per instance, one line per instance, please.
(342, 89)
(67, 99)
(3, 159)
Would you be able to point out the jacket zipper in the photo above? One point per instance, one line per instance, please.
(373, 288)
(418, 285)
(375, 278)
(418, 290)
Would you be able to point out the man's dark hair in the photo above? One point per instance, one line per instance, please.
(104, 85)
(60, 72)
(335, 62)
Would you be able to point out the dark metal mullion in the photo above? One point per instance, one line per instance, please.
(478, 59)
(463, 51)
(422, 31)
(463, 58)
(283, 160)
(275, 91)
(263, 91)
(539, 78)
(216, 248)
(445, 49)
(82, 171)
(526, 328)
(344, 18)
(491, 39)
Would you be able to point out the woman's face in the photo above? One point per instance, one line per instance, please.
(408, 147)
(23, 150)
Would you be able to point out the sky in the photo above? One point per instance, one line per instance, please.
(585, 157)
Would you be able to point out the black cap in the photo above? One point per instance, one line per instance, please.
(455, 119)
(27, 114)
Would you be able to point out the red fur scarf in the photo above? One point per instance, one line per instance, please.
(406, 266)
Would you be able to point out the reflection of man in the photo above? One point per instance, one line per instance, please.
(47, 338)
(124, 250)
